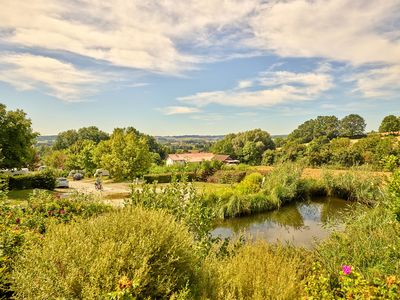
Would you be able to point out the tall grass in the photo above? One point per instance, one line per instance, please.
(255, 271)
(354, 185)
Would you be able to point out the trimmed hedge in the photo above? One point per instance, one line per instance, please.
(42, 180)
(168, 177)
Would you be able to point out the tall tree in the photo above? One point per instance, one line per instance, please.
(16, 139)
(390, 123)
(126, 154)
(352, 126)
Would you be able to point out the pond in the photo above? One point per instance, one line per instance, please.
(300, 223)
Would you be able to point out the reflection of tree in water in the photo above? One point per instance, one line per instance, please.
(288, 215)
(334, 210)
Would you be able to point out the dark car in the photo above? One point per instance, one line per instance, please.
(77, 176)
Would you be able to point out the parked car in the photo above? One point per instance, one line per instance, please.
(62, 182)
(73, 172)
(77, 176)
(101, 172)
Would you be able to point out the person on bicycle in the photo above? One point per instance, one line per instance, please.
(98, 184)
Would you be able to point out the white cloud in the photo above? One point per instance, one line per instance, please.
(60, 79)
(378, 82)
(135, 34)
(355, 31)
(179, 110)
(272, 88)
(174, 36)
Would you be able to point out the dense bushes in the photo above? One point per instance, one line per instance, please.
(39, 180)
(354, 185)
(255, 271)
(227, 176)
(19, 224)
(169, 177)
(131, 252)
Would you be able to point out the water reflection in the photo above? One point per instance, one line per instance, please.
(299, 223)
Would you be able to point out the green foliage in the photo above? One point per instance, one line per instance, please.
(255, 271)
(352, 126)
(250, 184)
(67, 138)
(181, 200)
(327, 126)
(321, 285)
(16, 139)
(55, 159)
(354, 185)
(126, 154)
(169, 177)
(227, 176)
(391, 162)
(390, 123)
(268, 157)
(145, 254)
(246, 146)
(393, 189)
(18, 225)
(38, 180)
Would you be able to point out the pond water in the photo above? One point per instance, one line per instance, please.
(300, 223)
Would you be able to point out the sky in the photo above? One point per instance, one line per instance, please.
(199, 67)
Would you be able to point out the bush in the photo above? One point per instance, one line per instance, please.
(354, 185)
(169, 177)
(251, 183)
(132, 252)
(19, 224)
(227, 176)
(255, 271)
(42, 180)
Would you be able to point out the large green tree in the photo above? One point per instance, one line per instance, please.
(126, 154)
(68, 138)
(247, 146)
(390, 123)
(352, 126)
(327, 126)
(16, 139)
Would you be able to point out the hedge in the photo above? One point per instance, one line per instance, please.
(42, 180)
(227, 176)
(168, 177)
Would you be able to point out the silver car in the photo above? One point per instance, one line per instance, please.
(62, 182)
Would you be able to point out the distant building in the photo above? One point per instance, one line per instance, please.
(183, 158)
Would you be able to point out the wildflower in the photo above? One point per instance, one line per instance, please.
(17, 220)
(390, 280)
(50, 212)
(124, 283)
(346, 269)
(62, 211)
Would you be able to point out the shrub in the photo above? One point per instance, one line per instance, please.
(355, 186)
(19, 224)
(137, 252)
(42, 180)
(227, 176)
(250, 184)
(168, 177)
(255, 271)
(181, 200)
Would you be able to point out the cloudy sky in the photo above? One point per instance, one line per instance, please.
(199, 67)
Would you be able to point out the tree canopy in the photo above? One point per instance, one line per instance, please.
(67, 138)
(247, 146)
(390, 123)
(352, 126)
(16, 139)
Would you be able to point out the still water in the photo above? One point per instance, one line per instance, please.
(300, 223)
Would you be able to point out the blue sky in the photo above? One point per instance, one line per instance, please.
(199, 67)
